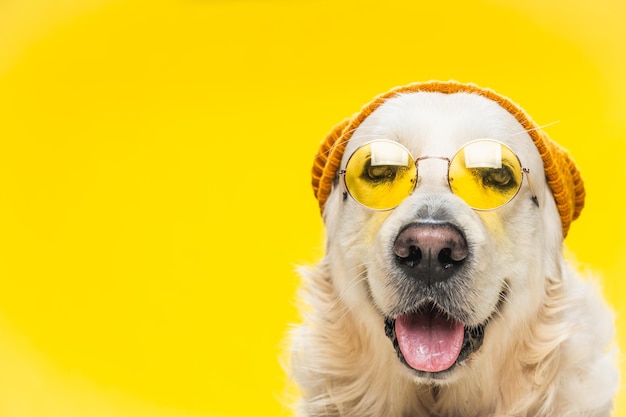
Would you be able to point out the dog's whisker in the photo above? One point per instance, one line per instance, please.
(503, 297)
(356, 280)
(531, 129)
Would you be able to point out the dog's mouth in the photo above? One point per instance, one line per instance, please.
(432, 342)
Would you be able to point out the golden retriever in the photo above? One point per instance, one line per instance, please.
(443, 290)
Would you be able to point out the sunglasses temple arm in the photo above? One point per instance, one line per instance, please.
(530, 184)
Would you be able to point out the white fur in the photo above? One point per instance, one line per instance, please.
(547, 347)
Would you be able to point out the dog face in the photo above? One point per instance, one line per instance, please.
(446, 282)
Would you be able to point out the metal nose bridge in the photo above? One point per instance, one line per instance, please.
(441, 158)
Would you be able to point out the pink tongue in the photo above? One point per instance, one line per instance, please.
(429, 340)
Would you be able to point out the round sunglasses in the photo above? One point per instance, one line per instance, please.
(485, 173)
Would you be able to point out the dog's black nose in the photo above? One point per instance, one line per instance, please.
(430, 252)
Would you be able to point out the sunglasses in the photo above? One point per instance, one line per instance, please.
(485, 173)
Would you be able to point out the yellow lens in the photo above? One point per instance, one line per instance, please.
(380, 175)
(486, 174)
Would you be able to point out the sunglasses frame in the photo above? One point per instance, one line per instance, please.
(524, 171)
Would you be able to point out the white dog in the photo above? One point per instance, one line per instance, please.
(443, 291)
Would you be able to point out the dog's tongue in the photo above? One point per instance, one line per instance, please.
(429, 340)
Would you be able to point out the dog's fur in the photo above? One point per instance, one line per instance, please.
(547, 348)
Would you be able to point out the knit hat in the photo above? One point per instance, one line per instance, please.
(561, 172)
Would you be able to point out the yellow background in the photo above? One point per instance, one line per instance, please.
(154, 175)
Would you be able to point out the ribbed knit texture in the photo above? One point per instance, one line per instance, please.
(561, 172)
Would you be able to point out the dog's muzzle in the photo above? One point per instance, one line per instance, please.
(426, 337)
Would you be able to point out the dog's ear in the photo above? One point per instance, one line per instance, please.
(321, 190)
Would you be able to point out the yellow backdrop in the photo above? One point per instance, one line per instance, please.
(154, 175)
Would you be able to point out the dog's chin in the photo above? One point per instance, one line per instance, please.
(432, 343)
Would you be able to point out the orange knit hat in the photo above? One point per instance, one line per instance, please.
(561, 172)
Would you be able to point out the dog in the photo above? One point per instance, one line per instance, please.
(443, 290)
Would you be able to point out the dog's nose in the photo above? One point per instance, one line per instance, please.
(430, 252)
